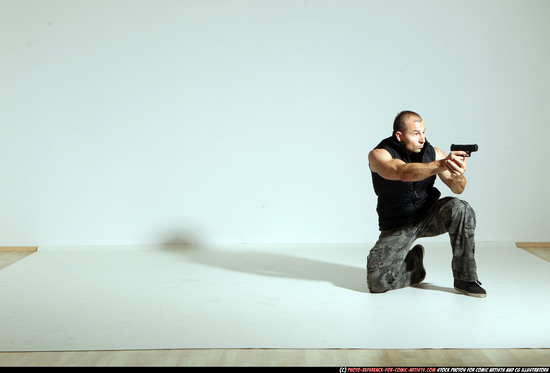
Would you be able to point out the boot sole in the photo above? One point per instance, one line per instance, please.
(475, 295)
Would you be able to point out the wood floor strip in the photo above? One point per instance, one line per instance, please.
(284, 357)
(9, 249)
(539, 245)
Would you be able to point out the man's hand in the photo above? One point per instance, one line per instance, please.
(453, 175)
(456, 163)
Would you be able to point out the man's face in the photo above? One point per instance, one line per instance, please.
(413, 137)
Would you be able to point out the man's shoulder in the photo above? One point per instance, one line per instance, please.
(380, 154)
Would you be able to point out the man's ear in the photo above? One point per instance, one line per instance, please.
(399, 136)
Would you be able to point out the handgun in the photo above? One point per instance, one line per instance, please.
(465, 148)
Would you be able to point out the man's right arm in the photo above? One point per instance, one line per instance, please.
(381, 162)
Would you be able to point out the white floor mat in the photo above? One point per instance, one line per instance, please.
(277, 296)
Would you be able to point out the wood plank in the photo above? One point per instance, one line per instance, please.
(8, 258)
(284, 357)
(10, 249)
(538, 245)
(540, 249)
(542, 253)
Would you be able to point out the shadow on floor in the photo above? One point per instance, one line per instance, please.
(280, 265)
(275, 265)
(428, 286)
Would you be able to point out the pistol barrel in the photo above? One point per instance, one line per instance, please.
(465, 148)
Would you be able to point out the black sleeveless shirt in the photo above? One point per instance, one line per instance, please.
(398, 201)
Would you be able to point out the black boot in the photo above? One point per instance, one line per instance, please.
(414, 264)
(470, 288)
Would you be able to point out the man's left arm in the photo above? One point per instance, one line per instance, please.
(453, 176)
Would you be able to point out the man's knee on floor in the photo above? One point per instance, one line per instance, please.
(376, 287)
(379, 281)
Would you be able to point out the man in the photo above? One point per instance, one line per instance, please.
(404, 168)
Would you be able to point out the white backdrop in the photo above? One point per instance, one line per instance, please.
(229, 121)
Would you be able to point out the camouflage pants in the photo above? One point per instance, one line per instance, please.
(386, 267)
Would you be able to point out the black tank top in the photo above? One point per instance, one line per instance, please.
(398, 201)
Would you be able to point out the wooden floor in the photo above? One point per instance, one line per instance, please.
(281, 357)
(260, 357)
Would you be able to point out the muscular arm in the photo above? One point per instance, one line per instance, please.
(450, 169)
(381, 162)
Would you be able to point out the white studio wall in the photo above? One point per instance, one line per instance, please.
(215, 121)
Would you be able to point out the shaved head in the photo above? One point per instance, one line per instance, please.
(400, 122)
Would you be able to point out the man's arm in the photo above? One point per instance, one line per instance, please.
(453, 175)
(381, 162)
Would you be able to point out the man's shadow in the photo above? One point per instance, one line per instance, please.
(274, 265)
(277, 265)
(428, 286)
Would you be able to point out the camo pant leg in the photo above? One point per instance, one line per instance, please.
(456, 217)
(386, 267)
